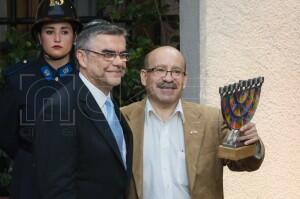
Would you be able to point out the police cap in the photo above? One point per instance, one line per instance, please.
(55, 11)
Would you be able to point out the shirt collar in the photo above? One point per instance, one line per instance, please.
(50, 74)
(178, 109)
(99, 96)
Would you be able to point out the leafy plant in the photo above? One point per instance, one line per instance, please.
(18, 47)
(5, 173)
(144, 20)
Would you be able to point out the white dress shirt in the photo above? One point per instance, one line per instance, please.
(100, 98)
(164, 165)
(98, 95)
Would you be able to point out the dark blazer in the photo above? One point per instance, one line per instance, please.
(75, 151)
(24, 94)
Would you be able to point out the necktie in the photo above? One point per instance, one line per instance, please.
(115, 125)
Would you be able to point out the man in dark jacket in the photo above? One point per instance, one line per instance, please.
(83, 145)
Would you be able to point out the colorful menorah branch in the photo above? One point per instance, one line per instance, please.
(239, 101)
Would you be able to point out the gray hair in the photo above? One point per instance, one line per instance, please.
(94, 28)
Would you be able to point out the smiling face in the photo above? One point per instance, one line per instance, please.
(102, 71)
(162, 88)
(56, 39)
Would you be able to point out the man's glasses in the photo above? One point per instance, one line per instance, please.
(110, 55)
(162, 72)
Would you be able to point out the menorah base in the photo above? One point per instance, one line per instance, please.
(237, 153)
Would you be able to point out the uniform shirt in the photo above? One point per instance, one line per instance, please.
(164, 170)
(28, 89)
(100, 98)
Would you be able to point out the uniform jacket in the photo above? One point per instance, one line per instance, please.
(28, 86)
(75, 150)
(204, 131)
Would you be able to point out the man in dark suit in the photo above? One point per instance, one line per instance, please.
(78, 151)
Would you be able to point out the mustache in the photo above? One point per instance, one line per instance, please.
(171, 85)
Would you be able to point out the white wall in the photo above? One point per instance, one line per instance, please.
(189, 12)
(245, 39)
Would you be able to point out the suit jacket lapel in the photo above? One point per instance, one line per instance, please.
(90, 108)
(193, 137)
(136, 121)
(128, 139)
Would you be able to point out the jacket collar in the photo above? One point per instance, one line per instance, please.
(89, 107)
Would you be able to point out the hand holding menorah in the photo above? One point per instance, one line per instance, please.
(238, 104)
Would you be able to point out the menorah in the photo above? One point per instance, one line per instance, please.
(238, 104)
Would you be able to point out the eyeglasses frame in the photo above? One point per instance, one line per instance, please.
(112, 58)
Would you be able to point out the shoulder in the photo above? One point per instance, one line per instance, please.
(197, 106)
(12, 74)
(18, 68)
(133, 107)
(197, 109)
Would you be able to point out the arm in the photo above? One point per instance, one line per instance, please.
(55, 155)
(248, 135)
(8, 121)
(248, 164)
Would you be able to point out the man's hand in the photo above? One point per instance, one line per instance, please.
(248, 134)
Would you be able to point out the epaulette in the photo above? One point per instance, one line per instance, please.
(15, 68)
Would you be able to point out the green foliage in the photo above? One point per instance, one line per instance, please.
(130, 89)
(142, 19)
(5, 170)
(20, 47)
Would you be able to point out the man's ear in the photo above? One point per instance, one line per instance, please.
(143, 76)
(74, 39)
(185, 78)
(81, 58)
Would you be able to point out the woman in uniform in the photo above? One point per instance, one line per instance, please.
(30, 84)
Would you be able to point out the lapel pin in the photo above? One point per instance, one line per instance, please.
(193, 132)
